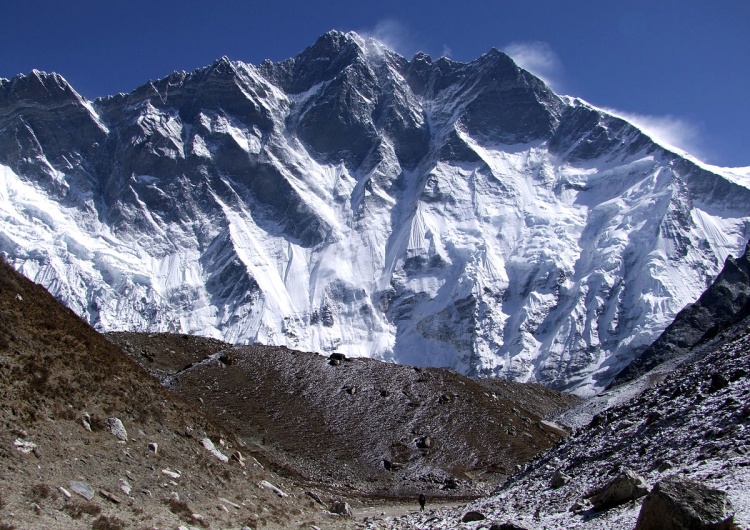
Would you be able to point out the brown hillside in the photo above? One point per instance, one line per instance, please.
(361, 427)
(57, 373)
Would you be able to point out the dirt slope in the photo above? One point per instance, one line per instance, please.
(55, 373)
(360, 427)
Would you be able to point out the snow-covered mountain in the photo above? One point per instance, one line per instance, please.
(425, 212)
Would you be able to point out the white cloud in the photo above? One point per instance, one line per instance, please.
(538, 58)
(398, 38)
(393, 34)
(670, 131)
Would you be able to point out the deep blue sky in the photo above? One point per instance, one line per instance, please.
(682, 65)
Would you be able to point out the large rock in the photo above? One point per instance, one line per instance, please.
(341, 508)
(625, 487)
(559, 479)
(117, 429)
(473, 516)
(211, 448)
(677, 503)
(83, 489)
(270, 487)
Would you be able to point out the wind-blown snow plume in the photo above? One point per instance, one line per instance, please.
(539, 58)
(669, 131)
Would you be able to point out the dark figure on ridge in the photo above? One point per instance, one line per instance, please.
(422, 500)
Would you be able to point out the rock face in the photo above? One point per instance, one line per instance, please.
(426, 212)
(677, 503)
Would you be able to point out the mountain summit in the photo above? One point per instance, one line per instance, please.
(348, 199)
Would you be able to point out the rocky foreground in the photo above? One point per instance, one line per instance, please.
(669, 446)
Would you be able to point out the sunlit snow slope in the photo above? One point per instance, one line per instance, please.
(426, 212)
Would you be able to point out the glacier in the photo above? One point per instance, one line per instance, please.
(423, 212)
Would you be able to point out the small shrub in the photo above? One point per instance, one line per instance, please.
(107, 523)
(183, 510)
(40, 491)
(38, 378)
(180, 508)
(98, 423)
(77, 509)
(6, 526)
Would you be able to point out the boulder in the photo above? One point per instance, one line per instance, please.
(83, 489)
(237, 457)
(392, 466)
(171, 474)
(336, 359)
(117, 429)
(680, 503)
(25, 446)
(450, 484)
(341, 508)
(230, 503)
(211, 448)
(111, 497)
(625, 487)
(270, 487)
(315, 497)
(125, 487)
(718, 381)
(579, 506)
(472, 516)
(559, 479)
(86, 421)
